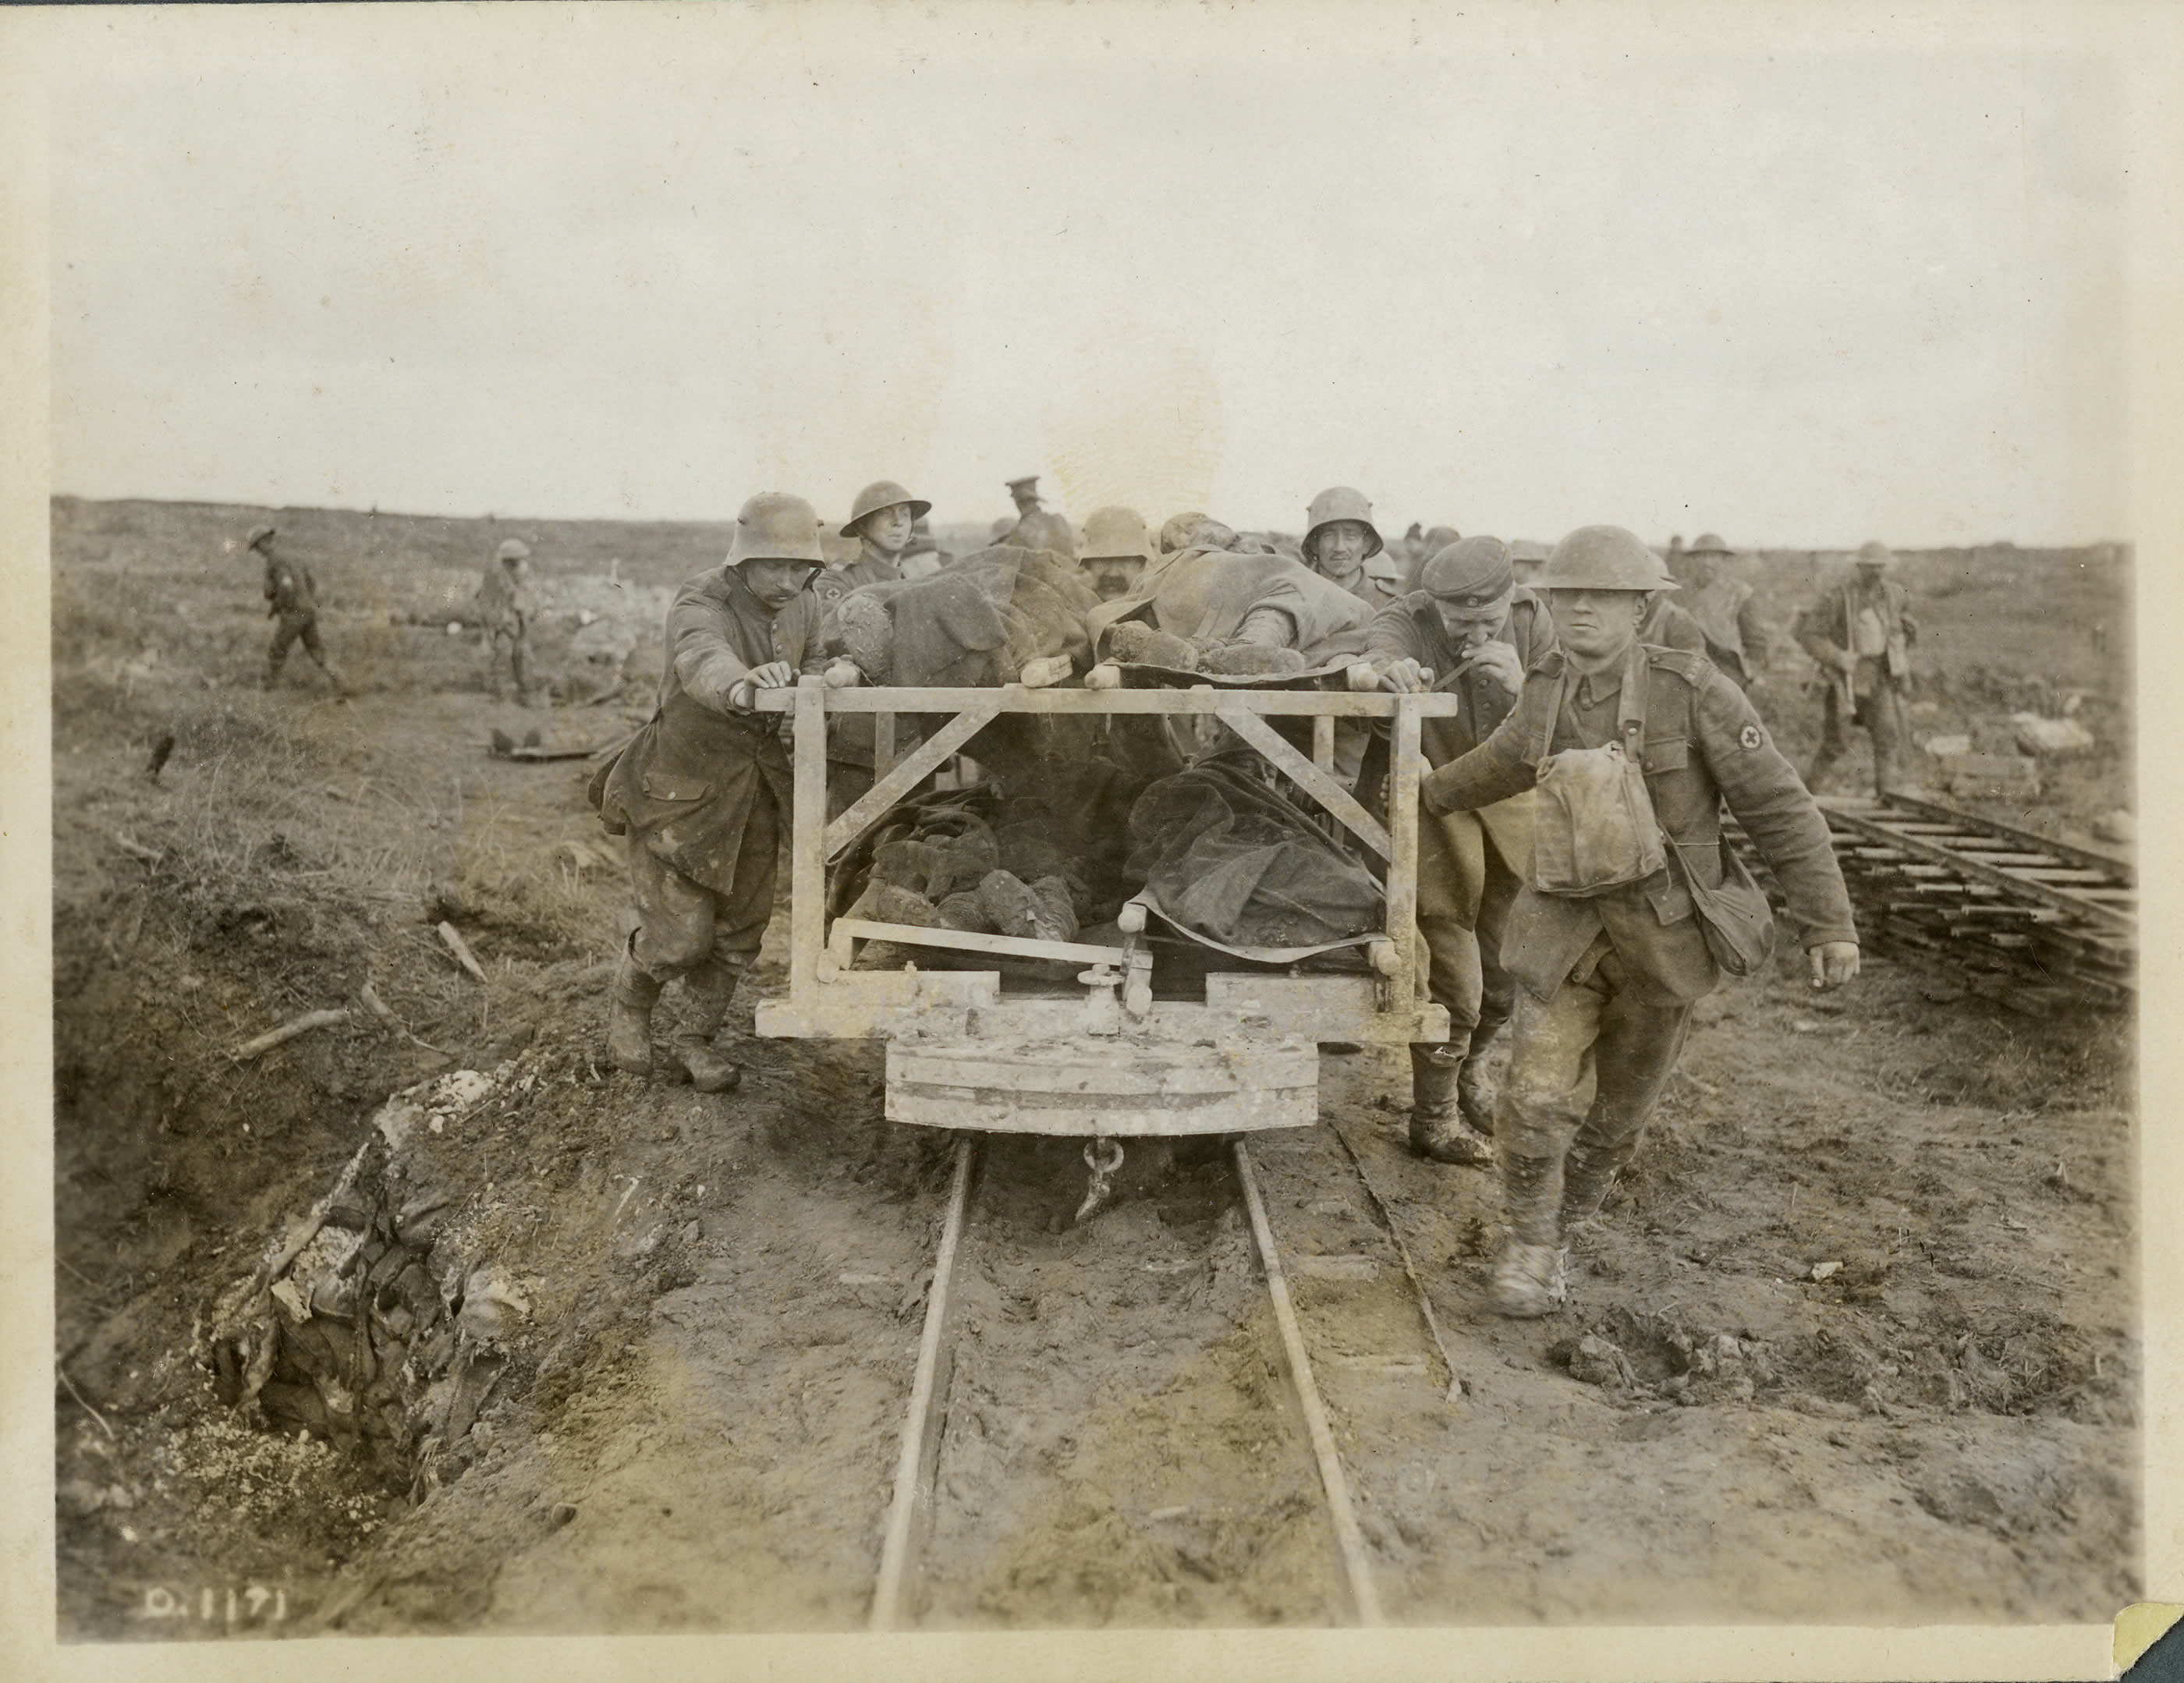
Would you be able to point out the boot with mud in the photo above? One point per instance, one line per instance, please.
(708, 990)
(1439, 1129)
(1474, 1089)
(629, 1015)
(1587, 1173)
(1529, 1278)
(1529, 1281)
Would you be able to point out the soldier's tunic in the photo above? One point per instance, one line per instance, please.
(1470, 864)
(292, 601)
(1375, 590)
(1667, 625)
(702, 791)
(1728, 615)
(1608, 980)
(1875, 624)
(507, 605)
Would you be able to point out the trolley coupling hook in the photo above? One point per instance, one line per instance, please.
(1103, 1156)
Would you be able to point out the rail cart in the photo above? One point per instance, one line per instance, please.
(1122, 1051)
(1117, 1055)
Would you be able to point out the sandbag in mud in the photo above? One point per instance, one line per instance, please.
(1224, 855)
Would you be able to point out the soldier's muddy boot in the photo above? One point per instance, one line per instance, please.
(711, 987)
(1528, 1281)
(629, 1015)
(1438, 1127)
(1474, 1091)
(1587, 1174)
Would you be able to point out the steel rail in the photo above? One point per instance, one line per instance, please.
(920, 1430)
(1347, 1536)
(911, 1508)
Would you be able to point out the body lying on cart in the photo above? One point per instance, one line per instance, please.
(1128, 1030)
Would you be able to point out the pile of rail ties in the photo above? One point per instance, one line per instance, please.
(2038, 925)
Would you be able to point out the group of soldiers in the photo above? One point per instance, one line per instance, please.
(1611, 682)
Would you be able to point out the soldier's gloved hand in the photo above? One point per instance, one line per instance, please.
(1834, 963)
(1499, 661)
(1405, 675)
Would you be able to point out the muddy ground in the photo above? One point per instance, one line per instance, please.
(693, 1418)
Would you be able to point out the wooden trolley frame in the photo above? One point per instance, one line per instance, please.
(979, 1041)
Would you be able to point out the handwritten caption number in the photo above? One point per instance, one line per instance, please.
(253, 1604)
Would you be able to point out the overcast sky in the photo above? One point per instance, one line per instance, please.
(1501, 273)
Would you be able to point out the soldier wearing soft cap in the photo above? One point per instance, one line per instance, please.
(1469, 631)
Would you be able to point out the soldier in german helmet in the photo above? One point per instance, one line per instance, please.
(1470, 630)
(292, 600)
(1861, 634)
(702, 791)
(1608, 970)
(1341, 543)
(1116, 551)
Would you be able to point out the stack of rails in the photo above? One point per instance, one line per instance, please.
(2037, 924)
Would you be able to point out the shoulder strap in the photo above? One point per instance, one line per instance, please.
(1631, 713)
(1554, 714)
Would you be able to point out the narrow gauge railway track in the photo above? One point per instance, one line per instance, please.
(1085, 1415)
(2040, 925)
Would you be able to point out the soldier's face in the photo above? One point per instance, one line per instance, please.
(1594, 623)
(1112, 576)
(1468, 626)
(889, 528)
(776, 582)
(1341, 547)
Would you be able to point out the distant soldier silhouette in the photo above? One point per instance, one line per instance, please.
(292, 600)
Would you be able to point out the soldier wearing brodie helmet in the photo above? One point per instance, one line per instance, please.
(1470, 630)
(701, 791)
(1633, 906)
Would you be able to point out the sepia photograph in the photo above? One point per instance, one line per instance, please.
(1283, 819)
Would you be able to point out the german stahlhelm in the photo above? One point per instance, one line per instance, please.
(1604, 558)
(512, 549)
(1873, 552)
(1709, 544)
(882, 493)
(259, 534)
(1114, 532)
(775, 526)
(1340, 502)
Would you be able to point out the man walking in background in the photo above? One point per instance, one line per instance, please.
(508, 602)
(702, 791)
(292, 601)
(1861, 633)
(1727, 611)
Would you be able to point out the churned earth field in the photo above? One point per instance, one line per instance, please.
(1856, 1340)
